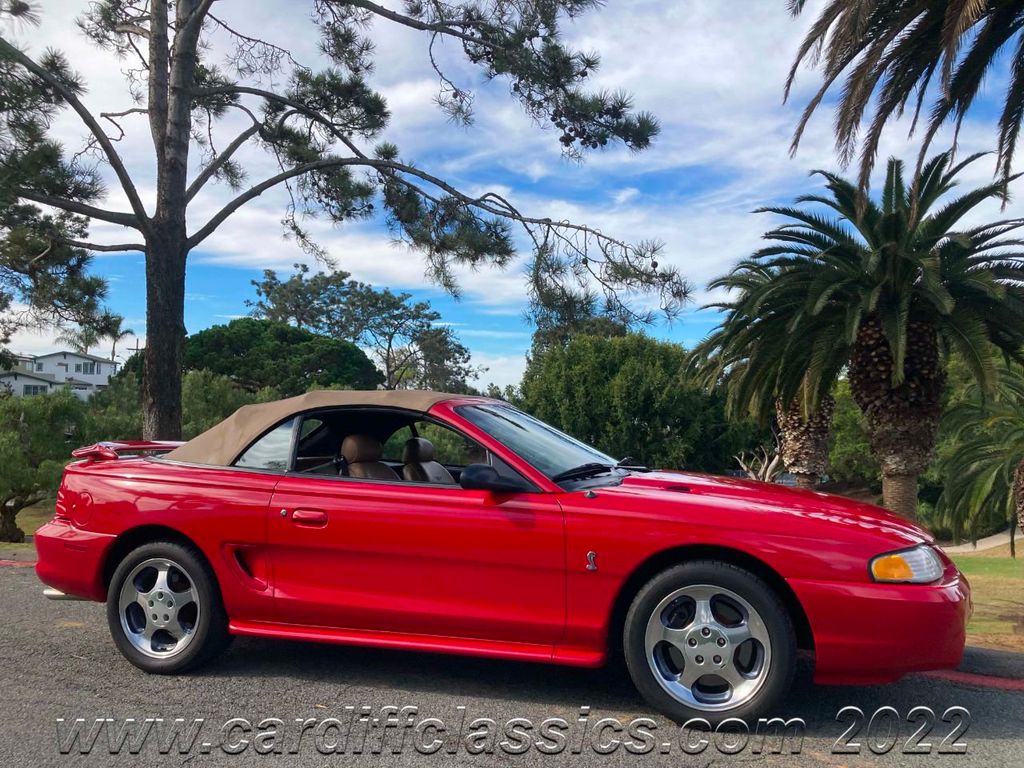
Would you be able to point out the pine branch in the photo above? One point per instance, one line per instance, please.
(139, 220)
(489, 203)
(84, 209)
(218, 162)
(103, 247)
(407, 21)
(298, 106)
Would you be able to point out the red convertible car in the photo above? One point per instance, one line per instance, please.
(448, 523)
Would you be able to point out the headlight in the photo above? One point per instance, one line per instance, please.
(919, 565)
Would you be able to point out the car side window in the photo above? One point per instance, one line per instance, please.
(392, 449)
(451, 448)
(273, 451)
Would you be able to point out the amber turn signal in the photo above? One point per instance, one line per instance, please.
(920, 565)
(891, 568)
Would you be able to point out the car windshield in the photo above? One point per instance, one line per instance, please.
(552, 452)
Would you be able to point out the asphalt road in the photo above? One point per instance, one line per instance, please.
(57, 661)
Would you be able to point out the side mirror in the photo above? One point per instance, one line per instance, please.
(483, 477)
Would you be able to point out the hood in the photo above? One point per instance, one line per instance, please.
(769, 506)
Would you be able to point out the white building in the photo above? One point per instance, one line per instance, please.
(37, 374)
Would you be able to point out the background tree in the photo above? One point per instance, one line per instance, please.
(305, 301)
(629, 396)
(34, 447)
(445, 364)
(900, 52)
(81, 338)
(983, 475)
(742, 358)
(115, 413)
(888, 289)
(112, 329)
(42, 271)
(405, 337)
(323, 128)
(849, 455)
(208, 398)
(562, 312)
(255, 354)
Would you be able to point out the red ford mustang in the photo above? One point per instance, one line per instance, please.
(448, 523)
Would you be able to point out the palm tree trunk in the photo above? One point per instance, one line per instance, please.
(899, 493)
(805, 480)
(803, 442)
(902, 419)
(1018, 502)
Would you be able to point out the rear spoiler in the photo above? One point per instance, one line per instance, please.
(109, 451)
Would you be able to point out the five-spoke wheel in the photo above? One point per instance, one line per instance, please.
(164, 608)
(708, 639)
(708, 647)
(159, 609)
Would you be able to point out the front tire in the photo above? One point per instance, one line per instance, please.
(707, 639)
(164, 609)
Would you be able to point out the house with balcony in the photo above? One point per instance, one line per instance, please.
(82, 373)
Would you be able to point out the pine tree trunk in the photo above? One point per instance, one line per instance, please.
(902, 420)
(9, 530)
(170, 117)
(803, 442)
(165, 339)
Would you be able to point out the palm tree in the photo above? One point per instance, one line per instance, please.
(732, 356)
(892, 50)
(80, 339)
(885, 289)
(113, 329)
(984, 475)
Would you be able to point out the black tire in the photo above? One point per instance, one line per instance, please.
(778, 672)
(209, 634)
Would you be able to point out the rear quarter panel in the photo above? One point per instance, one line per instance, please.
(222, 511)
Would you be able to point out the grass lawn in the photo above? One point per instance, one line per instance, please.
(997, 588)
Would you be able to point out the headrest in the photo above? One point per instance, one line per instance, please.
(417, 450)
(357, 448)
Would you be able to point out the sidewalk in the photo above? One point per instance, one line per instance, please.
(989, 542)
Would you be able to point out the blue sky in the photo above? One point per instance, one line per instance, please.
(711, 71)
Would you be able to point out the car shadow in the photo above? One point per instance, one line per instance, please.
(563, 690)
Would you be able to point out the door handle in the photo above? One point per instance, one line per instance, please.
(313, 518)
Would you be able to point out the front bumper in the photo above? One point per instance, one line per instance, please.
(71, 560)
(869, 633)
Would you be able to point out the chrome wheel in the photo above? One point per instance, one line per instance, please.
(708, 648)
(159, 608)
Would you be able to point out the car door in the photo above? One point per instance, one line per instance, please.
(415, 558)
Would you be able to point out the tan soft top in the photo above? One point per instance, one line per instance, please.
(220, 445)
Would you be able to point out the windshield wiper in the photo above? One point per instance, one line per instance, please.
(583, 470)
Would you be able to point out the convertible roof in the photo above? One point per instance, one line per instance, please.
(221, 444)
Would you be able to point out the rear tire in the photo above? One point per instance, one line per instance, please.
(709, 640)
(164, 609)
